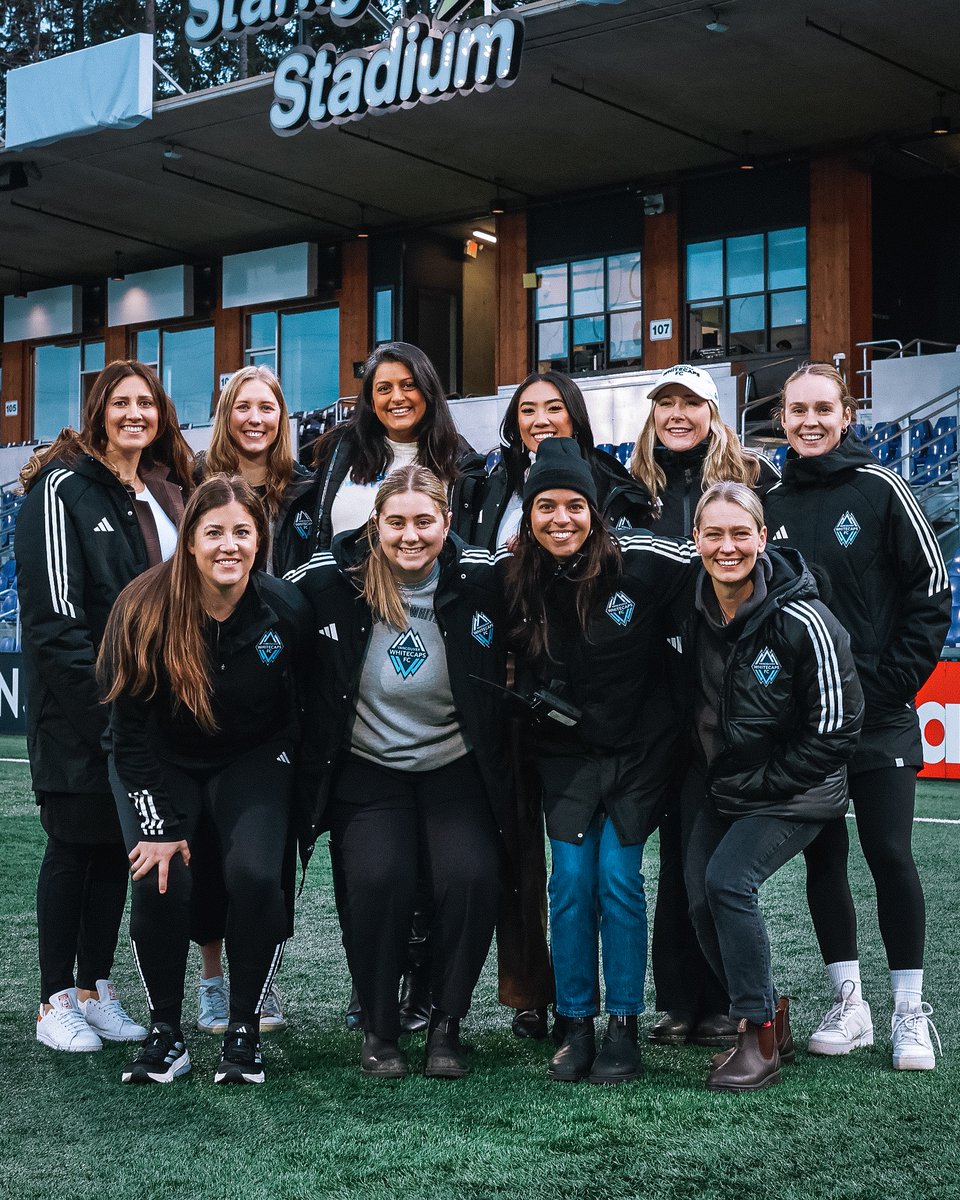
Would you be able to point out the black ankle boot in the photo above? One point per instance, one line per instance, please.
(619, 1057)
(415, 1000)
(530, 1023)
(446, 1058)
(382, 1058)
(353, 1017)
(571, 1063)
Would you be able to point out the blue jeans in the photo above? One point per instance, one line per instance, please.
(726, 864)
(596, 894)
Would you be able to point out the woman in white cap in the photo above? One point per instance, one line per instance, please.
(683, 449)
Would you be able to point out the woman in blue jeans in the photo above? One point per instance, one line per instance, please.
(776, 708)
(590, 617)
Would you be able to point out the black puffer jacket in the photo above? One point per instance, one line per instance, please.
(684, 471)
(78, 544)
(469, 613)
(478, 505)
(790, 706)
(860, 524)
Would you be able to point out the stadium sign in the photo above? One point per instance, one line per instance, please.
(422, 59)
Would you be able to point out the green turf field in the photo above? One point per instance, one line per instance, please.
(842, 1128)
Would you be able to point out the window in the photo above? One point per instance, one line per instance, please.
(303, 349)
(63, 373)
(588, 314)
(382, 315)
(747, 295)
(183, 358)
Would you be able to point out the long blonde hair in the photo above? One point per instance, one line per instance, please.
(726, 459)
(380, 587)
(223, 457)
(157, 624)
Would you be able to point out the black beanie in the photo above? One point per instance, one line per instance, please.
(559, 464)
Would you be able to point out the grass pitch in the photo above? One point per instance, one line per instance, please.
(841, 1129)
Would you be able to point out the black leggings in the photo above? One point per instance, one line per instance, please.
(884, 804)
(247, 806)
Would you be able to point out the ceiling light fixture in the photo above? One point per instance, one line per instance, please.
(484, 236)
(118, 275)
(747, 163)
(362, 231)
(172, 154)
(21, 292)
(941, 124)
(715, 25)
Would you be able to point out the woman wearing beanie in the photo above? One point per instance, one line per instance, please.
(776, 708)
(591, 614)
(860, 523)
(684, 448)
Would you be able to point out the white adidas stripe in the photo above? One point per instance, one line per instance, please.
(150, 820)
(143, 978)
(322, 558)
(271, 974)
(925, 535)
(828, 666)
(55, 541)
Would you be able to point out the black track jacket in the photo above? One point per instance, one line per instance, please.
(469, 613)
(684, 471)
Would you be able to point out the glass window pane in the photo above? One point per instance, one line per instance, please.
(310, 358)
(626, 336)
(704, 270)
(262, 331)
(383, 314)
(623, 281)
(148, 347)
(705, 328)
(56, 390)
(588, 352)
(744, 264)
(787, 258)
(747, 325)
(552, 292)
(188, 372)
(93, 356)
(586, 284)
(552, 345)
(261, 358)
(788, 320)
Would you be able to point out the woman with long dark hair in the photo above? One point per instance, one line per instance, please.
(775, 709)
(251, 438)
(591, 615)
(684, 448)
(861, 525)
(546, 404)
(410, 668)
(200, 665)
(103, 504)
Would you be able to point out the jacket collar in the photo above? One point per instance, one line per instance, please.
(843, 459)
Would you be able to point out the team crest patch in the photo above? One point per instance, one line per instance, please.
(766, 666)
(482, 629)
(623, 523)
(408, 654)
(620, 608)
(847, 529)
(303, 524)
(269, 647)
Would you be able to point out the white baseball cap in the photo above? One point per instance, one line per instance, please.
(699, 382)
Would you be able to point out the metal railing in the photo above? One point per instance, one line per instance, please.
(894, 349)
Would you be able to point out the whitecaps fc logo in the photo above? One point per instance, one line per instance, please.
(482, 629)
(269, 647)
(620, 608)
(766, 666)
(847, 529)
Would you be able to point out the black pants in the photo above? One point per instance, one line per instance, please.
(81, 891)
(247, 806)
(383, 825)
(884, 805)
(684, 980)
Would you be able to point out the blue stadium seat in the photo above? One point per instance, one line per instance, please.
(884, 443)
(943, 448)
(493, 459)
(8, 574)
(921, 461)
(778, 456)
(607, 448)
(625, 452)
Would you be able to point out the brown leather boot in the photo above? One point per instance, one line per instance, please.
(785, 1046)
(754, 1063)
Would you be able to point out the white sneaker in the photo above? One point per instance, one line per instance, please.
(845, 1027)
(271, 1014)
(213, 1005)
(912, 1047)
(64, 1027)
(106, 1017)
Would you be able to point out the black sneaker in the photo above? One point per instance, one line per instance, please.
(240, 1060)
(162, 1058)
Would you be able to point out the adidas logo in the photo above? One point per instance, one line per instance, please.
(676, 643)
(103, 526)
(781, 534)
(283, 757)
(329, 631)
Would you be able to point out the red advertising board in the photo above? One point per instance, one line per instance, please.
(938, 706)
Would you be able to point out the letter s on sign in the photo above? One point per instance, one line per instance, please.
(288, 112)
(204, 24)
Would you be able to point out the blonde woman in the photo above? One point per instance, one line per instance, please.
(409, 631)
